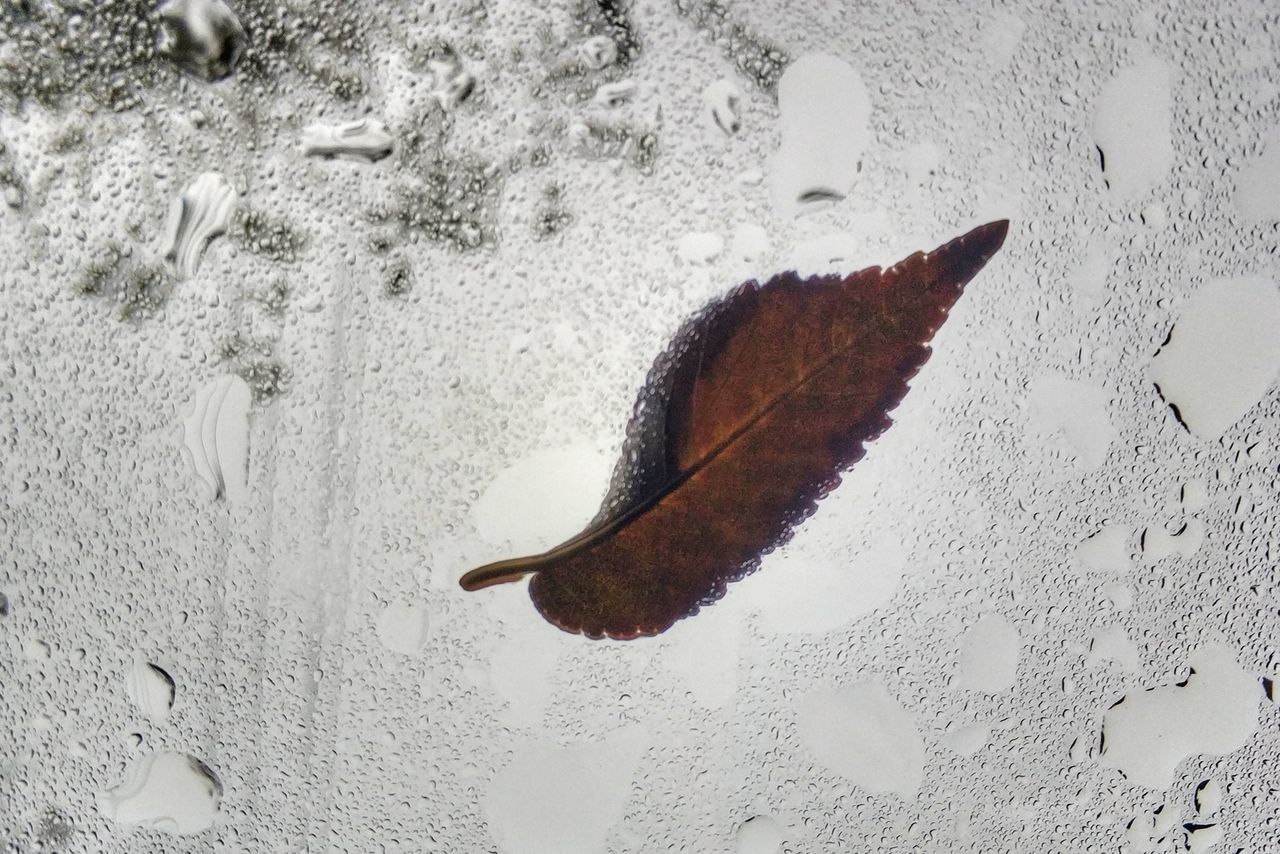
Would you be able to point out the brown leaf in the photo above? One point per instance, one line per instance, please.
(744, 423)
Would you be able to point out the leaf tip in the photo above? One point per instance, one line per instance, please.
(989, 237)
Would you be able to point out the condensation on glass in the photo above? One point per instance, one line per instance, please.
(306, 309)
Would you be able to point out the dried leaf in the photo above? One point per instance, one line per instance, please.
(745, 422)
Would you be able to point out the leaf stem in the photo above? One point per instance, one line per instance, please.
(501, 572)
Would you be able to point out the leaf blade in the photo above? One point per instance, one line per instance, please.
(733, 445)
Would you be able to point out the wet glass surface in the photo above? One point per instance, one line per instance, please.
(308, 308)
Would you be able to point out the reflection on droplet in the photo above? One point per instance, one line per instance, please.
(1072, 415)
(921, 162)
(1201, 838)
(1001, 35)
(1119, 595)
(521, 670)
(611, 96)
(759, 835)
(1214, 711)
(197, 215)
(700, 247)
(151, 689)
(563, 799)
(403, 628)
(451, 82)
(749, 242)
(989, 655)
(1131, 127)
(968, 739)
(862, 733)
(1158, 543)
(1150, 831)
(172, 792)
(203, 37)
(722, 101)
(1222, 355)
(365, 140)
(1258, 184)
(1208, 797)
(36, 650)
(1112, 644)
(801, 589)
(216, 437)
(703, 656)
(1106, 551)
(543, 499)
(1154, 216)
(1089, 276)
(824, 112)
(597, 52)
(1194, 495)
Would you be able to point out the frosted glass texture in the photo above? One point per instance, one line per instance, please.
(309, 307)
